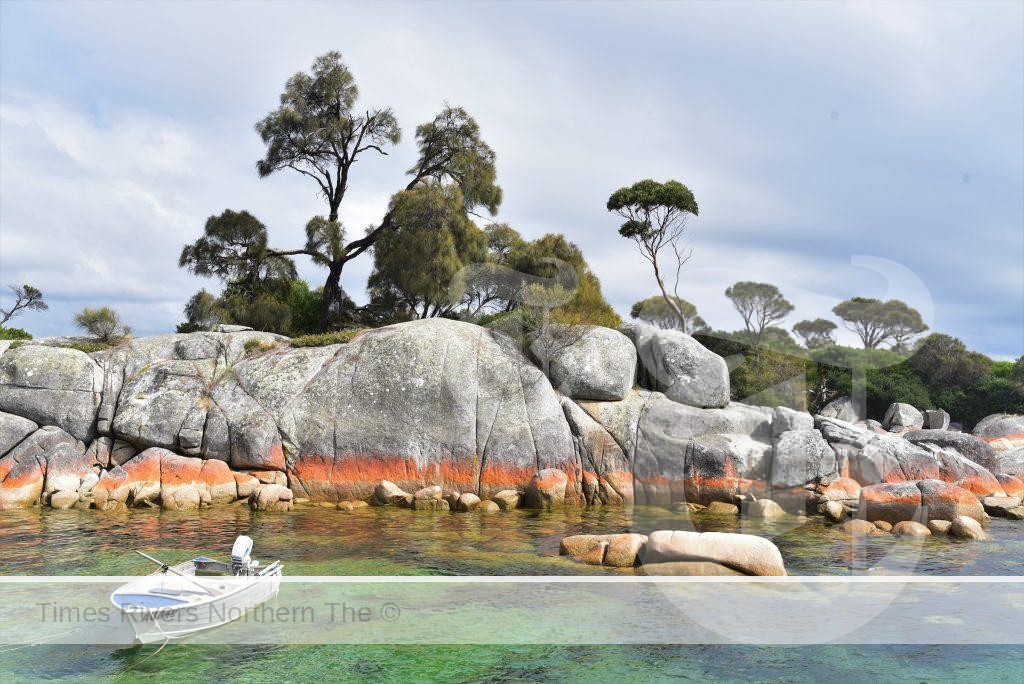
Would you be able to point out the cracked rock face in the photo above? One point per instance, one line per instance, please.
(587, 362)
(680, 366)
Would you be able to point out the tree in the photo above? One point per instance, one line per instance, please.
(433, 239)
(102, 323)
(317, 132)
(876, 322)
(761, 306)
(26, 298)
(817, 333)
(657, 311)
(904, 323)
(234, 249)
(944, 361)
(202, 312)
(655, 216)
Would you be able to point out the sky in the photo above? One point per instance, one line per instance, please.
(835, 149)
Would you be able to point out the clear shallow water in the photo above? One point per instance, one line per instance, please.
(316, 541)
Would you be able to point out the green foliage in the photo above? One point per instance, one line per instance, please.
(769, 375)
(88, 347)
(817, 333)
(650, 207)
(657, 311)
(202, 312)
(876, 322)
(254, 347)
(103, 323)
(14, 334)
(946, 362)
(416, 263)
(304, 307)
(761, 305)
(26, 298)
(326, 339)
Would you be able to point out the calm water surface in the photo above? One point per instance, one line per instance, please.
(316, 541)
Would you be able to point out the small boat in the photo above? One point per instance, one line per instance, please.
(177, 601)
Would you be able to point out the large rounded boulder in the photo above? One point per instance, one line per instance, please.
(587, 362)
(680, 367)
(1002, 431)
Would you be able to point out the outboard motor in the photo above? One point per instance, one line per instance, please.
(240, 562)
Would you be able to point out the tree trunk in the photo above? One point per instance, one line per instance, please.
(331, 289)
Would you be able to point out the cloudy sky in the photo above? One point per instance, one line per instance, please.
(835, 149)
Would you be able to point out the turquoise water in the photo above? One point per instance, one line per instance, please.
(316, 541)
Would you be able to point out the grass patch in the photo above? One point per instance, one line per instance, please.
(326, 339)
(255, 347)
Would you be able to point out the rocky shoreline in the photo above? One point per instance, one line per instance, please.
(463, 418)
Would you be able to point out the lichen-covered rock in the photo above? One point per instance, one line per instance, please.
(587, 362)
(902, 416)
(841, 489)
(892, 502)
(844, 409)
(546, 489)
(14, 429)
(945, 501)
(607, 473)
(936, 419)
(1012, 486)
(680, 366)
(52, 386)
(1002, 431)
(1011, 462)
(802, 457)
(746, 553)
(969, 446)
(785, 419)
(430, 401)
(659, 437)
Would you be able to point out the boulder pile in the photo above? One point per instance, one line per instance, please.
(445, 415)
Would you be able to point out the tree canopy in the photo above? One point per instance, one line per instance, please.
(657, 311)
(26, 298)
(876, 322)
(817, 333)
(761, 305)
(655, 216)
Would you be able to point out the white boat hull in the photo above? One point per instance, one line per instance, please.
(161, 607)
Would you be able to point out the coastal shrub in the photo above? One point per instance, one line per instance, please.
(103, 323)
(14, 334)
(326, 339)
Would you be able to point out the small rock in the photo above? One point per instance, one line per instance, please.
(594, 556)
(967, 528)
(682, 568)
(833, 511)
(330, 504)
(546, 489)
(488, 507)
(857, 527)
(507, 499)
(939, 526)
(722, 508)
(997, 506)
(431, 492)
(63, 500)
(351, 505)
(271, 497)
(467, 502)
(909, 528)
(765, 508)
(453, 500)
(430, 505)
(389, 494)
(883, 526)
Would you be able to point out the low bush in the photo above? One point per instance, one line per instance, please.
(14, 334)
(327, 339)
